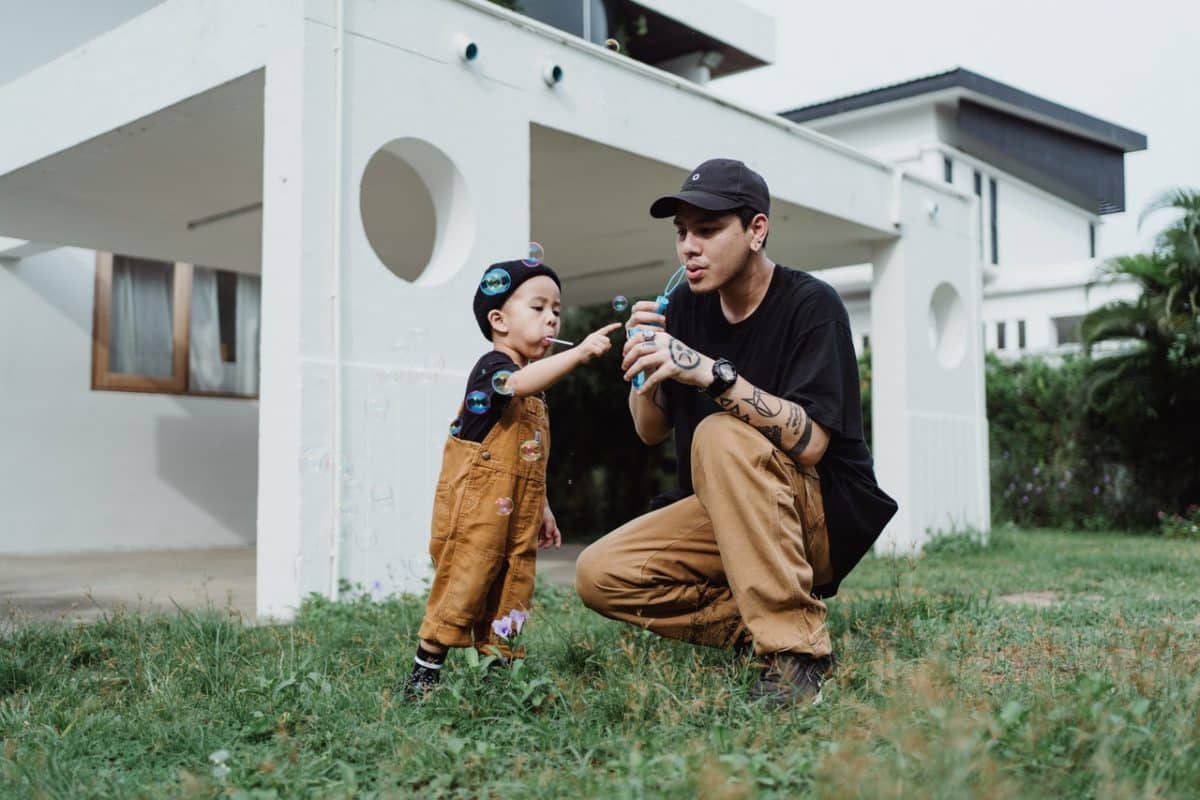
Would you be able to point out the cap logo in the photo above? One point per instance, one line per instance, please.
(696, 176)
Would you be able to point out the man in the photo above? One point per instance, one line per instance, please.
(756, 373)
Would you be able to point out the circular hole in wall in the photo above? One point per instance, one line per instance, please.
(415, 212)
(947, 326)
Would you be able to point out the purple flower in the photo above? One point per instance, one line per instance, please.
(1062, 484)
(1028, 486)
(1095, 490)
(1025, 498)
(503, 627)
(518, 618)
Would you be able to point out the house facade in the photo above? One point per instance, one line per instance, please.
(239, 238)
(1044, 176)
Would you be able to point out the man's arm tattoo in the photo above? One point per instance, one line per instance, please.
(659, 398)
(762, 403)
(805, 437)
(794, 414)
(684, 356)
(774, 435)
(731, 405)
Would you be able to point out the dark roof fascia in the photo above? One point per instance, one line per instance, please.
(1016, 100)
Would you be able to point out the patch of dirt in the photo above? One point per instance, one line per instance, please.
(1035, 599)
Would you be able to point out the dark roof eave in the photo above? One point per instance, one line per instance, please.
(1077, 122)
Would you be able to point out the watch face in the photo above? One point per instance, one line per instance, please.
(726, 372)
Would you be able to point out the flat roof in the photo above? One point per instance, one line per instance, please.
(986, 91)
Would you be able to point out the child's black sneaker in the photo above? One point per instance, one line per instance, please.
(427, 671)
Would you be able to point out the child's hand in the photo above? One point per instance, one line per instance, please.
(549, 535)
(596, 344)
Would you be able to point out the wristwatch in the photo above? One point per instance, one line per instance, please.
(724, 374)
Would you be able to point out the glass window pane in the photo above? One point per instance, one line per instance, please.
(141, 340)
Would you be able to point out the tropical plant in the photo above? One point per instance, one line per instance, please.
(1145, 385)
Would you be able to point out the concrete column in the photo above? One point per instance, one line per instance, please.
(930, 426)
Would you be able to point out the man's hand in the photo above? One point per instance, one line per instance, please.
(549, 535)
(596, 344)
(661, 356)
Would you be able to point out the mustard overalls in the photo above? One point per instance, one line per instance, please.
(487, 511)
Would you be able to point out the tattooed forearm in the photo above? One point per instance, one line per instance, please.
(684, 356)
(795, 413)
(773, 433)
(764, 404)
(765, 413)
(796, 450)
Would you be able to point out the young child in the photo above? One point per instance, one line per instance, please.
(490, 512)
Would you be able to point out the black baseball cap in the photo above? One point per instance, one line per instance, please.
(719, 184)
(498, 283)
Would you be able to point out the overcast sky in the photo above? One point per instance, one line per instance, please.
(1136, 64)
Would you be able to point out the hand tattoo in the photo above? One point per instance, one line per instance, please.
(684, 356)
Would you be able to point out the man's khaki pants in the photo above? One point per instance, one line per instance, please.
(735, 561)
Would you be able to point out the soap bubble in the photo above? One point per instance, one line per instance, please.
(504, 506)
(620, 303)
(531, 449)
(500, 382)
(495, 281)
(534, 255)
(478, 402)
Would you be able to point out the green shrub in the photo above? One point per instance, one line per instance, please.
(1180, 526)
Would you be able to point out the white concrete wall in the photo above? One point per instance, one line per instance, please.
(37, 33)
(893, 136)
(929, 421)
(1034, 229)
(101, 470)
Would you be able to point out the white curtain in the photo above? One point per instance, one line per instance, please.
(140, 337)
(208, 372)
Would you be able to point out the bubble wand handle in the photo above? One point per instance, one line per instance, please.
(639, 380)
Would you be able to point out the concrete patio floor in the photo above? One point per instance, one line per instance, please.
(81, 587)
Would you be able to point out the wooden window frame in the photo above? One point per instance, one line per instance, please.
(103, 379)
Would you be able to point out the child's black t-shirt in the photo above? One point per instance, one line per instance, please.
(796, 345)
(477, 418)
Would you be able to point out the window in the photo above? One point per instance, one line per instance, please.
(1000, 343)
(1091, 240)
(1020, 334)
(1068, 329)
(993, 226)
(948, 169)
(978, 179)
(174, 328)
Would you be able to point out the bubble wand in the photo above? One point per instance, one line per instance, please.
(677, 278)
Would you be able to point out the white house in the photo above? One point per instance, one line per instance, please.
(326, 178)
(1044, 175)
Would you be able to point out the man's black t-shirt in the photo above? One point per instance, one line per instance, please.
(796, 345)
(475, 426)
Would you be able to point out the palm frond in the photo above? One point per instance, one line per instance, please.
(1177, 198)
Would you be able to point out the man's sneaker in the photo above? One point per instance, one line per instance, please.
(792, 679)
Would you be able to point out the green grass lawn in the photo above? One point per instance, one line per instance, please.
(944, 690)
